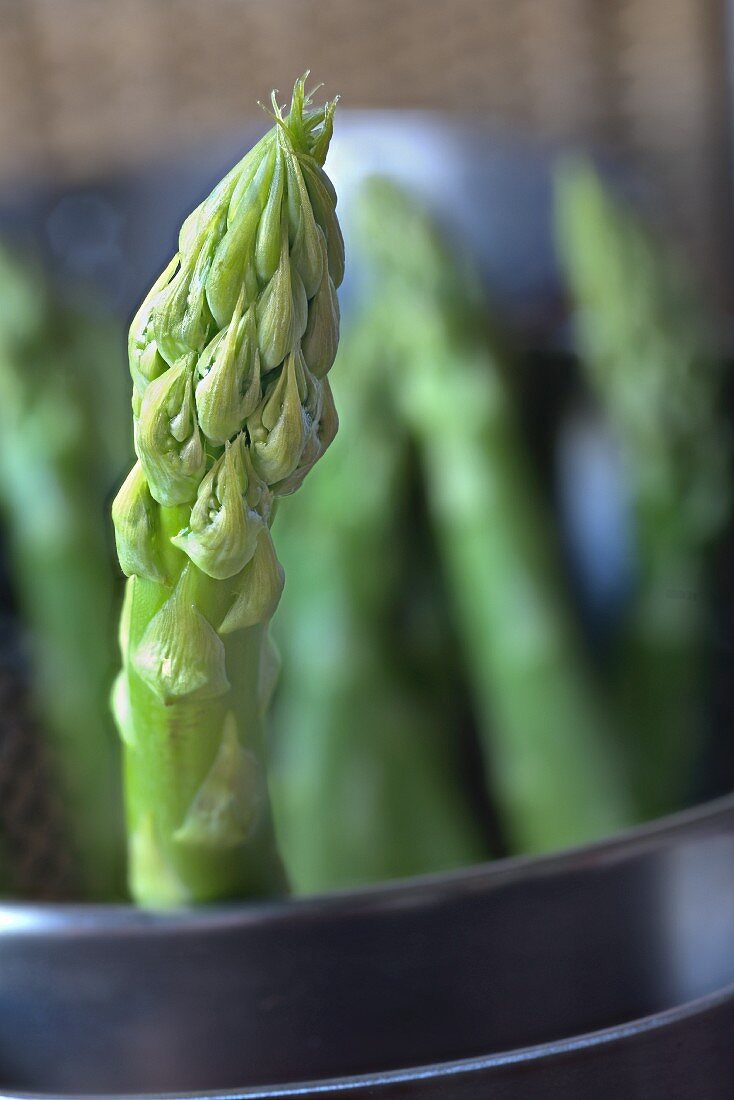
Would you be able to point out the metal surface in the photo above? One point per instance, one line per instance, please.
(635, 936)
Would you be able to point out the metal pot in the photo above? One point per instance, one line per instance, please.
(606, 971)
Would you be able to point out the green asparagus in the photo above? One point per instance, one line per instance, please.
(368, 785)
(60, 452)
(550, 754)
(229, 355)
(650, 359)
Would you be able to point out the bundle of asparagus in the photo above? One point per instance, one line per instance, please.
(650, 359)
(232, 407)
(61, 448)
(550, 752)
(229, 355)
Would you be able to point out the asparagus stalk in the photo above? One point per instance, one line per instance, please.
(232, 407)
(649, 357)
(550, 757)
(57, 452)
(368, 785)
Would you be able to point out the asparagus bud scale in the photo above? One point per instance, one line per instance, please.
(229, 356)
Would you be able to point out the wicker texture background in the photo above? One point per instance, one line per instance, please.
(88, 85)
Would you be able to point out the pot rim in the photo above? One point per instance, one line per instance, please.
(91, 918)
(369, 1082)
(79, 921)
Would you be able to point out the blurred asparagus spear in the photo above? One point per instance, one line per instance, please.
(367, 777)
(649, 356)
(232, 407)
(550, 755)
(60, 450)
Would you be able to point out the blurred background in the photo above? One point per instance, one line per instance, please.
(508, 623)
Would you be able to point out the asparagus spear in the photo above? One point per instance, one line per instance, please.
(368, 784)
(550, 757)
(649, 357)
(57, 453)
(229, 355)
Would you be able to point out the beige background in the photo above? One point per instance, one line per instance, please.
(88, 85)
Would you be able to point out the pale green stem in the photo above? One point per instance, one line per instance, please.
(170, 750)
